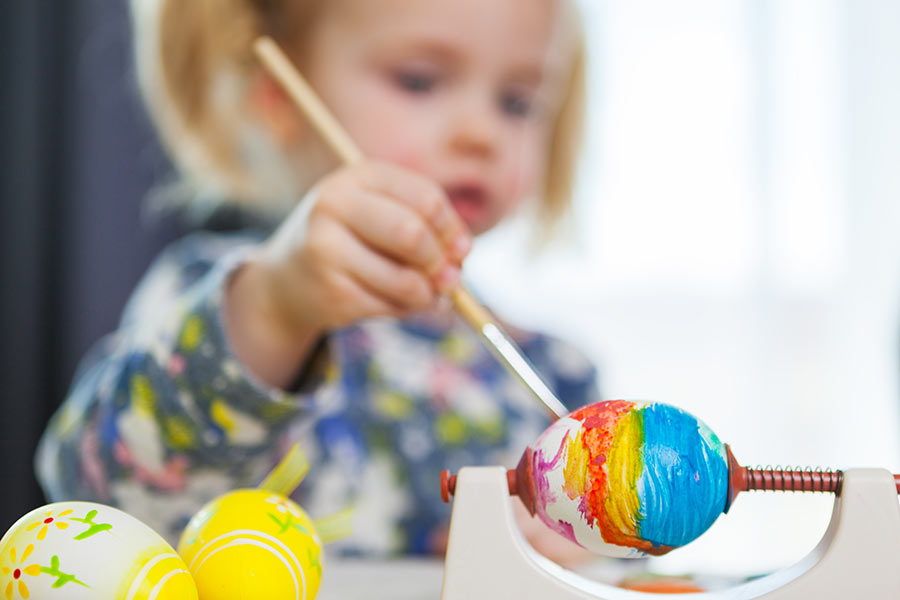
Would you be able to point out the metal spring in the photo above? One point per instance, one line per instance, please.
(794, 479)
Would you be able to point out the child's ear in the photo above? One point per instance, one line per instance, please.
(275, 111)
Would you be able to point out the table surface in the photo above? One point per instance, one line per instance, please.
(421, 579)
(406, 579)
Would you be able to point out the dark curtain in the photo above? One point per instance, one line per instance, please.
(76, 159)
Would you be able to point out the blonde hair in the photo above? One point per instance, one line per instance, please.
(194, 60)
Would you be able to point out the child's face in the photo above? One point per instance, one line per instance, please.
(459, 90)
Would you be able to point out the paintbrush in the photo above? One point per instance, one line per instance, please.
(283, 70)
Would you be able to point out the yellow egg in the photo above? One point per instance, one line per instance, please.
(84, 550)
(253, 544)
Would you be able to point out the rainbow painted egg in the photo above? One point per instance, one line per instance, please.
(628, 479)
(84, 550)
(252, 543)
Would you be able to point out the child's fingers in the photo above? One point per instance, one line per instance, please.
(393, 229)
(356, 301)
(341, 262)
(399, 285)
(427, 199)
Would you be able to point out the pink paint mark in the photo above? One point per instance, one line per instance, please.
(567, 530)
(540, 468)
(559, 526)
(585, 509)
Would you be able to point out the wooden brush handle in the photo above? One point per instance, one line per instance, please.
(280, 66)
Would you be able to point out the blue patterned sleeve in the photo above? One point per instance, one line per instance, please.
(162, 416)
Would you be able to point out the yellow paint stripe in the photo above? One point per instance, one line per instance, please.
(575, 471)
(623, 504)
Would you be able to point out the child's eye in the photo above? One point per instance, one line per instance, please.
(417, 83)
(516, 104)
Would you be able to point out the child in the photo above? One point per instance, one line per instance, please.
(328, 330)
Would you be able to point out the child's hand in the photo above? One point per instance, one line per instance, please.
(369, 240)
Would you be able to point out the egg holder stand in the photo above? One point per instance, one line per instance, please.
(487, 556)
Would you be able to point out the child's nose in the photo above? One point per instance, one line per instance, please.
(475, 129)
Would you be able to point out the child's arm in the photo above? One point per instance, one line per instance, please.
(162, 416)
(370, 240)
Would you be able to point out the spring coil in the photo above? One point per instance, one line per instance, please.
(794, 479)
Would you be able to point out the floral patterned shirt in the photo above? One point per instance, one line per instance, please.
(162, 417)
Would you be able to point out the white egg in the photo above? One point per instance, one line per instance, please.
(82, 550)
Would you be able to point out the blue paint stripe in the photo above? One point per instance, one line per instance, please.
(684, 481)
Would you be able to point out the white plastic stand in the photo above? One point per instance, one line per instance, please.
(858, 557)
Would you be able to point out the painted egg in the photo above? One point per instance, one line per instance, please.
(628, 479)
(253, 544)
(84, 550)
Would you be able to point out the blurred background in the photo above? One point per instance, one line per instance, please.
(735, 248)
